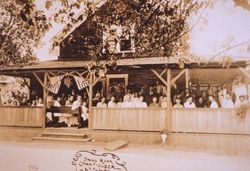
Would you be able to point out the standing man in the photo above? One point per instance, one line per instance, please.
(77, 105)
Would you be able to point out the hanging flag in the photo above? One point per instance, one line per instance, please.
(55, 83)
(81, 82)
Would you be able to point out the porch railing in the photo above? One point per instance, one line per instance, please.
(199, 120)
(21, 116)
(139, 119)
(202, 120)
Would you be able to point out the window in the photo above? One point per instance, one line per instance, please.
(120, 39)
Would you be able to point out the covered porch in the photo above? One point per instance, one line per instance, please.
(185, 127)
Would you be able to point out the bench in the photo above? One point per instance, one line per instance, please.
(64, 114)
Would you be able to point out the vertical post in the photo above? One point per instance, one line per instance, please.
(90, 99)
(168, 117)
(44, 98)
(187, 78)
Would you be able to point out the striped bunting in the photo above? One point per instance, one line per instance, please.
(81, 82)
(55, 83)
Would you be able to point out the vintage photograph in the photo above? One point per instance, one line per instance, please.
(125, 85)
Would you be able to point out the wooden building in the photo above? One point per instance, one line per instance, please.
(199, 128)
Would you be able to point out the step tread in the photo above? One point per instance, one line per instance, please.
(63, 134)
(62, 139)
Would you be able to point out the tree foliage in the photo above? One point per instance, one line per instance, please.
(21, 28)
(160, 27)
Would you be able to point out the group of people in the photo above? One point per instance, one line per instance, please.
(231, 95)
(77, 104)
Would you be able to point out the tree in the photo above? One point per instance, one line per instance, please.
(159, 27)
(21, 28)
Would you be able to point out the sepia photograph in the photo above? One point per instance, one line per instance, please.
(125, 85)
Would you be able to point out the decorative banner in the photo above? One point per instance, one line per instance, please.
(91, 161)
(81, 82)
(204, 86)
(55, 83)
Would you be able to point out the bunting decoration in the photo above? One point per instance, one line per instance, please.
(81, 82)
(55, 83)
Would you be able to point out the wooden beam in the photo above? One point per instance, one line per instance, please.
(78, 73)
(84, 72)
(51, 73)
(39, 80)
(178, 76)
(244, 72)
(44, 98)
(187, 78)
(94, 83)
(90, 99)
(163, 71)
(159, 76)
(26, 83)
(169, 114)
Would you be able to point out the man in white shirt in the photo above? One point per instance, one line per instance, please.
(128, 103)
(77, 105)
(141, 103)
(228, 102)
(57, 102)
(102, 103)
(189, 103)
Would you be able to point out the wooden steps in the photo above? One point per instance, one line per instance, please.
(63, 135)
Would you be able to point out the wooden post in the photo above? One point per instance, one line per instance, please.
(90, 99)
(187, 78)
(168, 117)
(44, 98)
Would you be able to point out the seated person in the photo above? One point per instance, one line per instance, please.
(128, 96)
(178, 103)
(135, 98)
(97, 98)
(164, 102)
(242, 100)
(154, 103)
(57, 102)
(141, 103)
(40, 102)
(33, 103)
(119, 103)
(213, 103)
(69, 101)
(102, 103)
(228, 102)
(127, 102)
(112, 102)
(24, 101)
(200, 102)
(189, 103)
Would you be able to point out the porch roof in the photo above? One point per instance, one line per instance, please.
(69, 65)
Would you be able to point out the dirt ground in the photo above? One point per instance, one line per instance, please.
(38, 156)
